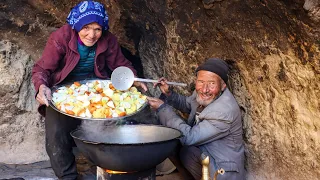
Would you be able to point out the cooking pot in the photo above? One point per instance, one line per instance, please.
(127, 148)
(129, 116)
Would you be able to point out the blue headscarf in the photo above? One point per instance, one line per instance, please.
(87, 12)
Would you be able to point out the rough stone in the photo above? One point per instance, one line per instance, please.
(21, 128)
(272, 46)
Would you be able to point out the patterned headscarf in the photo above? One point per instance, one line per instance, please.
(87, 12)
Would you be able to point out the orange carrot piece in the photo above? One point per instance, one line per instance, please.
(81, 111)
(107, 112)
(92, 109)
(112, 87)
(69, 112)
(77, 83)
(99, 90)
(122, 114)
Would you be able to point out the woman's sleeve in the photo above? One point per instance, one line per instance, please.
(48, 63)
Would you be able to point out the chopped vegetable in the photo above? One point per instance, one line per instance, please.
(97, 99)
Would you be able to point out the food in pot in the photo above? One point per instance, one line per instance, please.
(97, 99)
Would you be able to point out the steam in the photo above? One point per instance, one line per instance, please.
(93, 130)
(107, 131)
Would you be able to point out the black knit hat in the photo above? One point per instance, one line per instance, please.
(217, 66)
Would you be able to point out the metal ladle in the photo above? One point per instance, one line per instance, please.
(122, 79)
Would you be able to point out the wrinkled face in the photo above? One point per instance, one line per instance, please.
(90, 34)
(208, 87)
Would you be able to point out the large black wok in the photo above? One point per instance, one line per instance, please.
(129, 147)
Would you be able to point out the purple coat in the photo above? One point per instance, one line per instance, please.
(60, 56)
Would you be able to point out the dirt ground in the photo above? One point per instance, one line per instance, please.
(43, 171)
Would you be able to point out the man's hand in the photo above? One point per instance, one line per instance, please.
(44, 95)
(140, 84)
(154, 103)
(164, 87)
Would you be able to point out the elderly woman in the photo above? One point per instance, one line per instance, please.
(83, 48)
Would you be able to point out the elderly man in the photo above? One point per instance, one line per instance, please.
(214, 125)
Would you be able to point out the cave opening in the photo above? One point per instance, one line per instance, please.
(134, 34)
(135, 60)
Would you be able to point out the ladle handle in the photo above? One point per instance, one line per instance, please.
(155, 81)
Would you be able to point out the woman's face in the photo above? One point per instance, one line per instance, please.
(208, 87)
(90, 34)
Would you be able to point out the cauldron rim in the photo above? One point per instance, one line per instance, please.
(126, 144)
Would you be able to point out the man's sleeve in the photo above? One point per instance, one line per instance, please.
(204, 132)
(179, 102)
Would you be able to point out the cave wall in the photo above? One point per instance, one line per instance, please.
(272, 46)
(21, 128)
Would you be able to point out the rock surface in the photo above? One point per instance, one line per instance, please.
(272, 47)
(21, 128)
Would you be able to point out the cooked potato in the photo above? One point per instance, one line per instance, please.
(97, 99)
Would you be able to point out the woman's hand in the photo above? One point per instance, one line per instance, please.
(140, 84)
(154, 103)
(164, 87)
(44, 95)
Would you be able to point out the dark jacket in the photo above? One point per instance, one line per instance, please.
(219, 132)
(60, 56)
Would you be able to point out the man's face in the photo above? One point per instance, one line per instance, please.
(208, 87)
(90, 34)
